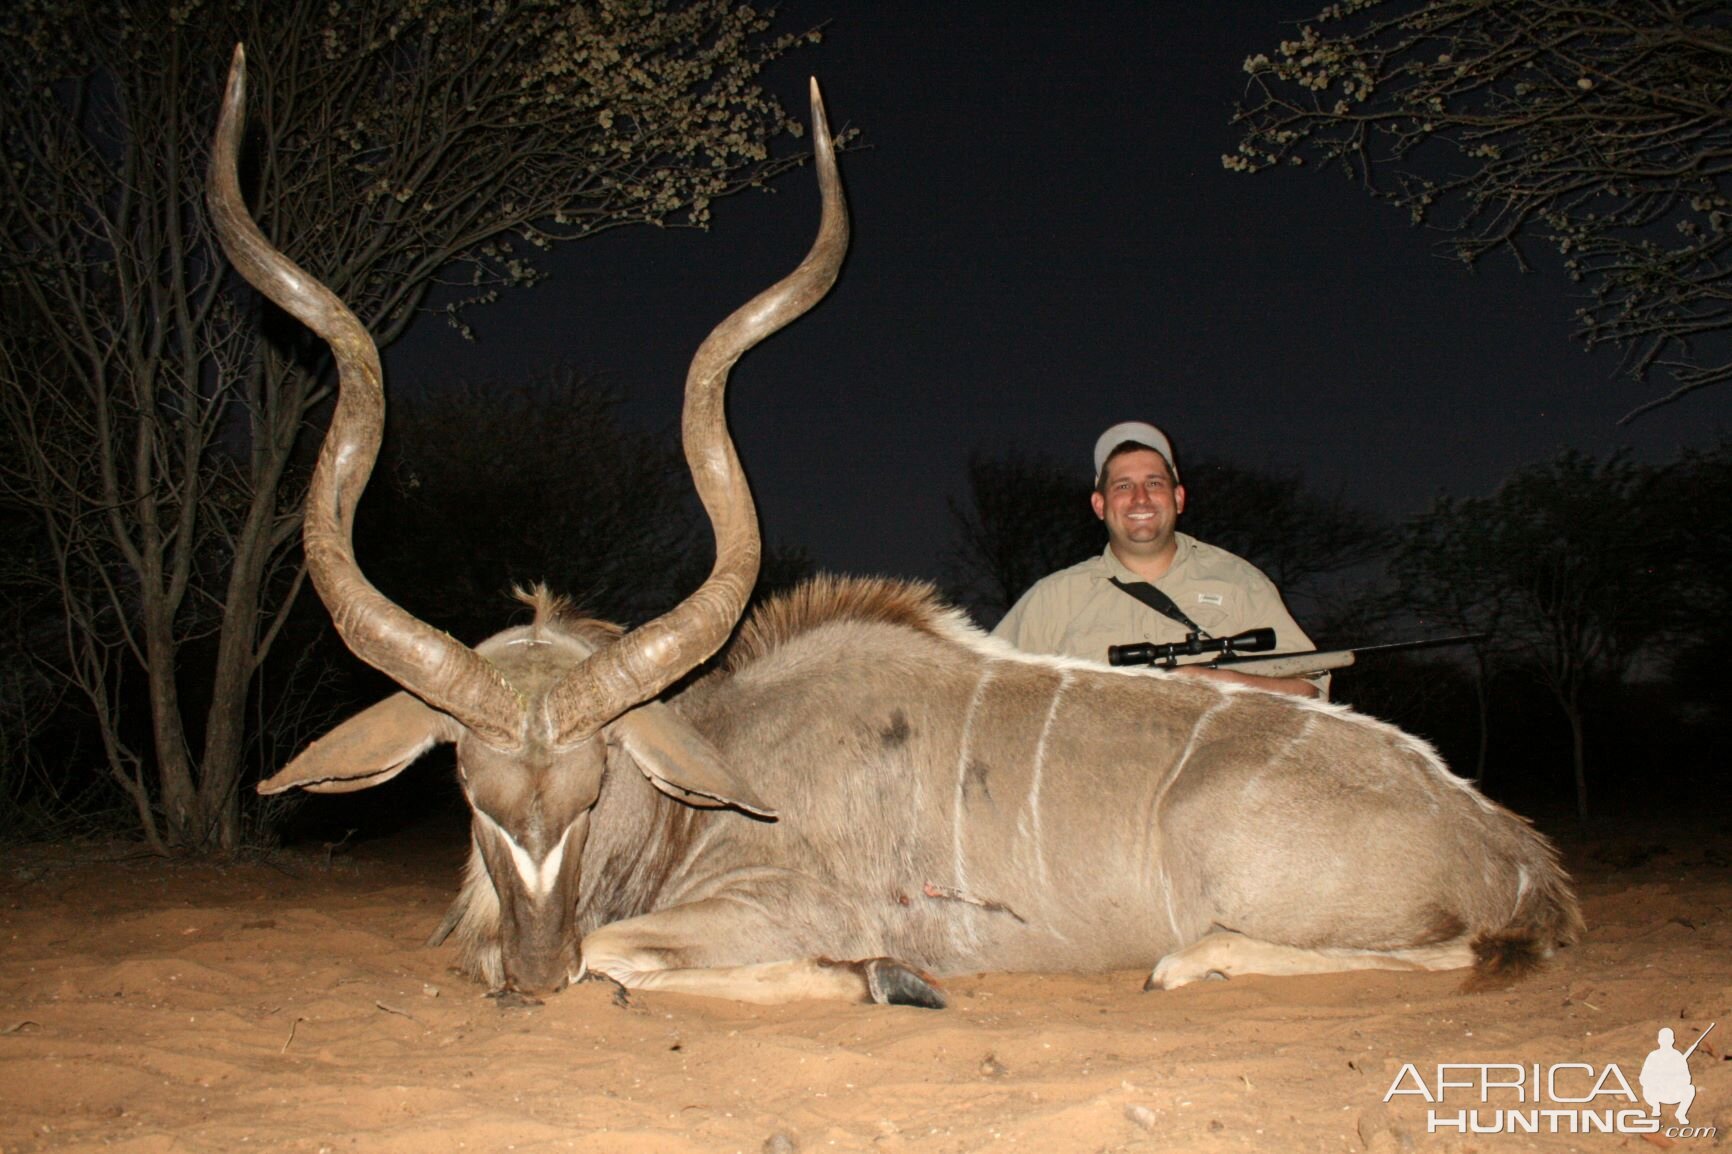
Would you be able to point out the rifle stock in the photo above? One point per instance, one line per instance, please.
(1290, 664)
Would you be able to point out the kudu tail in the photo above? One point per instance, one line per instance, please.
(1546, 917)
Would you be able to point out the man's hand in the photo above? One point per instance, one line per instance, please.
(1296, 686)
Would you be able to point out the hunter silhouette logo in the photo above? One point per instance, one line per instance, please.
(1665, 1076)
(1560, 1097)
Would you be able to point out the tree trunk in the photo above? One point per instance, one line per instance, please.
(277, 398)
(226, 720)
(183, 816)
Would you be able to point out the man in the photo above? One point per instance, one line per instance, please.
(1080, 611)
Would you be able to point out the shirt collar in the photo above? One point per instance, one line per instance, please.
(1186, 545)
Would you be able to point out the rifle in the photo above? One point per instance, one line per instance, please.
(1167, 656)
(1253, 641)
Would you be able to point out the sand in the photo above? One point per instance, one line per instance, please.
(286, 1003)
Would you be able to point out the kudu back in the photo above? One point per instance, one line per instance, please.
(866, 792)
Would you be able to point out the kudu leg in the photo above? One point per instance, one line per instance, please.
(1226, 954)
(686, 949)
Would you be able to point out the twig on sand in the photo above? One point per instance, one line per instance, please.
(287, 1042)
(394, 1010)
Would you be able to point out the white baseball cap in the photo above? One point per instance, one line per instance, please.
(1143, 434)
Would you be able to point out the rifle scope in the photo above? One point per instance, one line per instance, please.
(1144, 653)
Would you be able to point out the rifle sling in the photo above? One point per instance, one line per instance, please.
(1159, 602)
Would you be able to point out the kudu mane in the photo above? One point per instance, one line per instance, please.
(828, 599)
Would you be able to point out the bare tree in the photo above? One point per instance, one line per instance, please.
(1691, 529)
(408, 146)
(1027, 515)
(1441, 567)
(1318, 549)
(1600, 129)
(1557, 560)
(604, 507)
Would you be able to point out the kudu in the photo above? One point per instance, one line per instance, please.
(943, 803)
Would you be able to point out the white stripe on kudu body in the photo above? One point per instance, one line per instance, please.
(1197, 730)
(1037, 772)
(959, 856)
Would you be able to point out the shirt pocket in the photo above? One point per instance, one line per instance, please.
(1212, 609)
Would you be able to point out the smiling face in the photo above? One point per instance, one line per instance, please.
(1140, 505)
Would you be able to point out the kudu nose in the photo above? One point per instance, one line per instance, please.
(537, 979)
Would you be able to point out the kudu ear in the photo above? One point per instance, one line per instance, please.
(369, 749)
(680, 761)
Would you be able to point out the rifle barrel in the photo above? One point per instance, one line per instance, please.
(1424, 643)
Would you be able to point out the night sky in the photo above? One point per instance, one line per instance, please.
(1045, 243)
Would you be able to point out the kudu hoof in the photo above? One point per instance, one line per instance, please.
(621, 995)
(1171, 976)
(890, 983)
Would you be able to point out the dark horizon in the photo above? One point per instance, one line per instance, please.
(1045, 243)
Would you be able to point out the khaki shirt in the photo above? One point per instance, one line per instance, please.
(1078, 612)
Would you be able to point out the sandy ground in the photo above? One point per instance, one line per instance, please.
(287, 1004)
